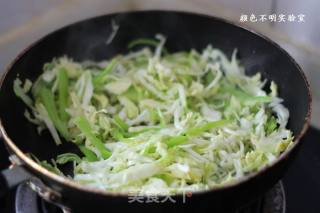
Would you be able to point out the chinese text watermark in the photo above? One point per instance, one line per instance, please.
(158, 198)
(299, 18)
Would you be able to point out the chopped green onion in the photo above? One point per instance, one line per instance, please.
(90, 155)
(50, 167)
(147, 129)
(271, 125)
(117, 134)
(63, 93)
(206, 127)
(84, 125)
(48, 101)
(246, 97)
(68, 157)
(176, 140)
(120, 123)
(162, 119)
(98, 80)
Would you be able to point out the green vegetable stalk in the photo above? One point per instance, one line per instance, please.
(84, 125)
(98, 80)
(206, 127)
(48, 100)
(90, 155)
(63, 94)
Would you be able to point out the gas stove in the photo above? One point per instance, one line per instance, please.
(24, 200)
(297, 192)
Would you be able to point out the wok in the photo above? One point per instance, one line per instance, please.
(87, 40)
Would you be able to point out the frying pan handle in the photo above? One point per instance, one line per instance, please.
(9, 178)
(47, 193)
(16, 174)
(12, 176)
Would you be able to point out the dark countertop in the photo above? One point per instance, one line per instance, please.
(302, 180)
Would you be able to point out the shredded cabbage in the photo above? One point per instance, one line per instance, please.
(157, 122)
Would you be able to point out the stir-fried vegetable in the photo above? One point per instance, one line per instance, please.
(63, 94)
(84, 125)
(154, 122)
(48, 100)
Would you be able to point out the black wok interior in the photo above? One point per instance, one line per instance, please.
(87, 40)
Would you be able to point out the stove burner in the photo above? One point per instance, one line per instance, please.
(27, 201)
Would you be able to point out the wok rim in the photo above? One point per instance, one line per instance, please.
(31, 164)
